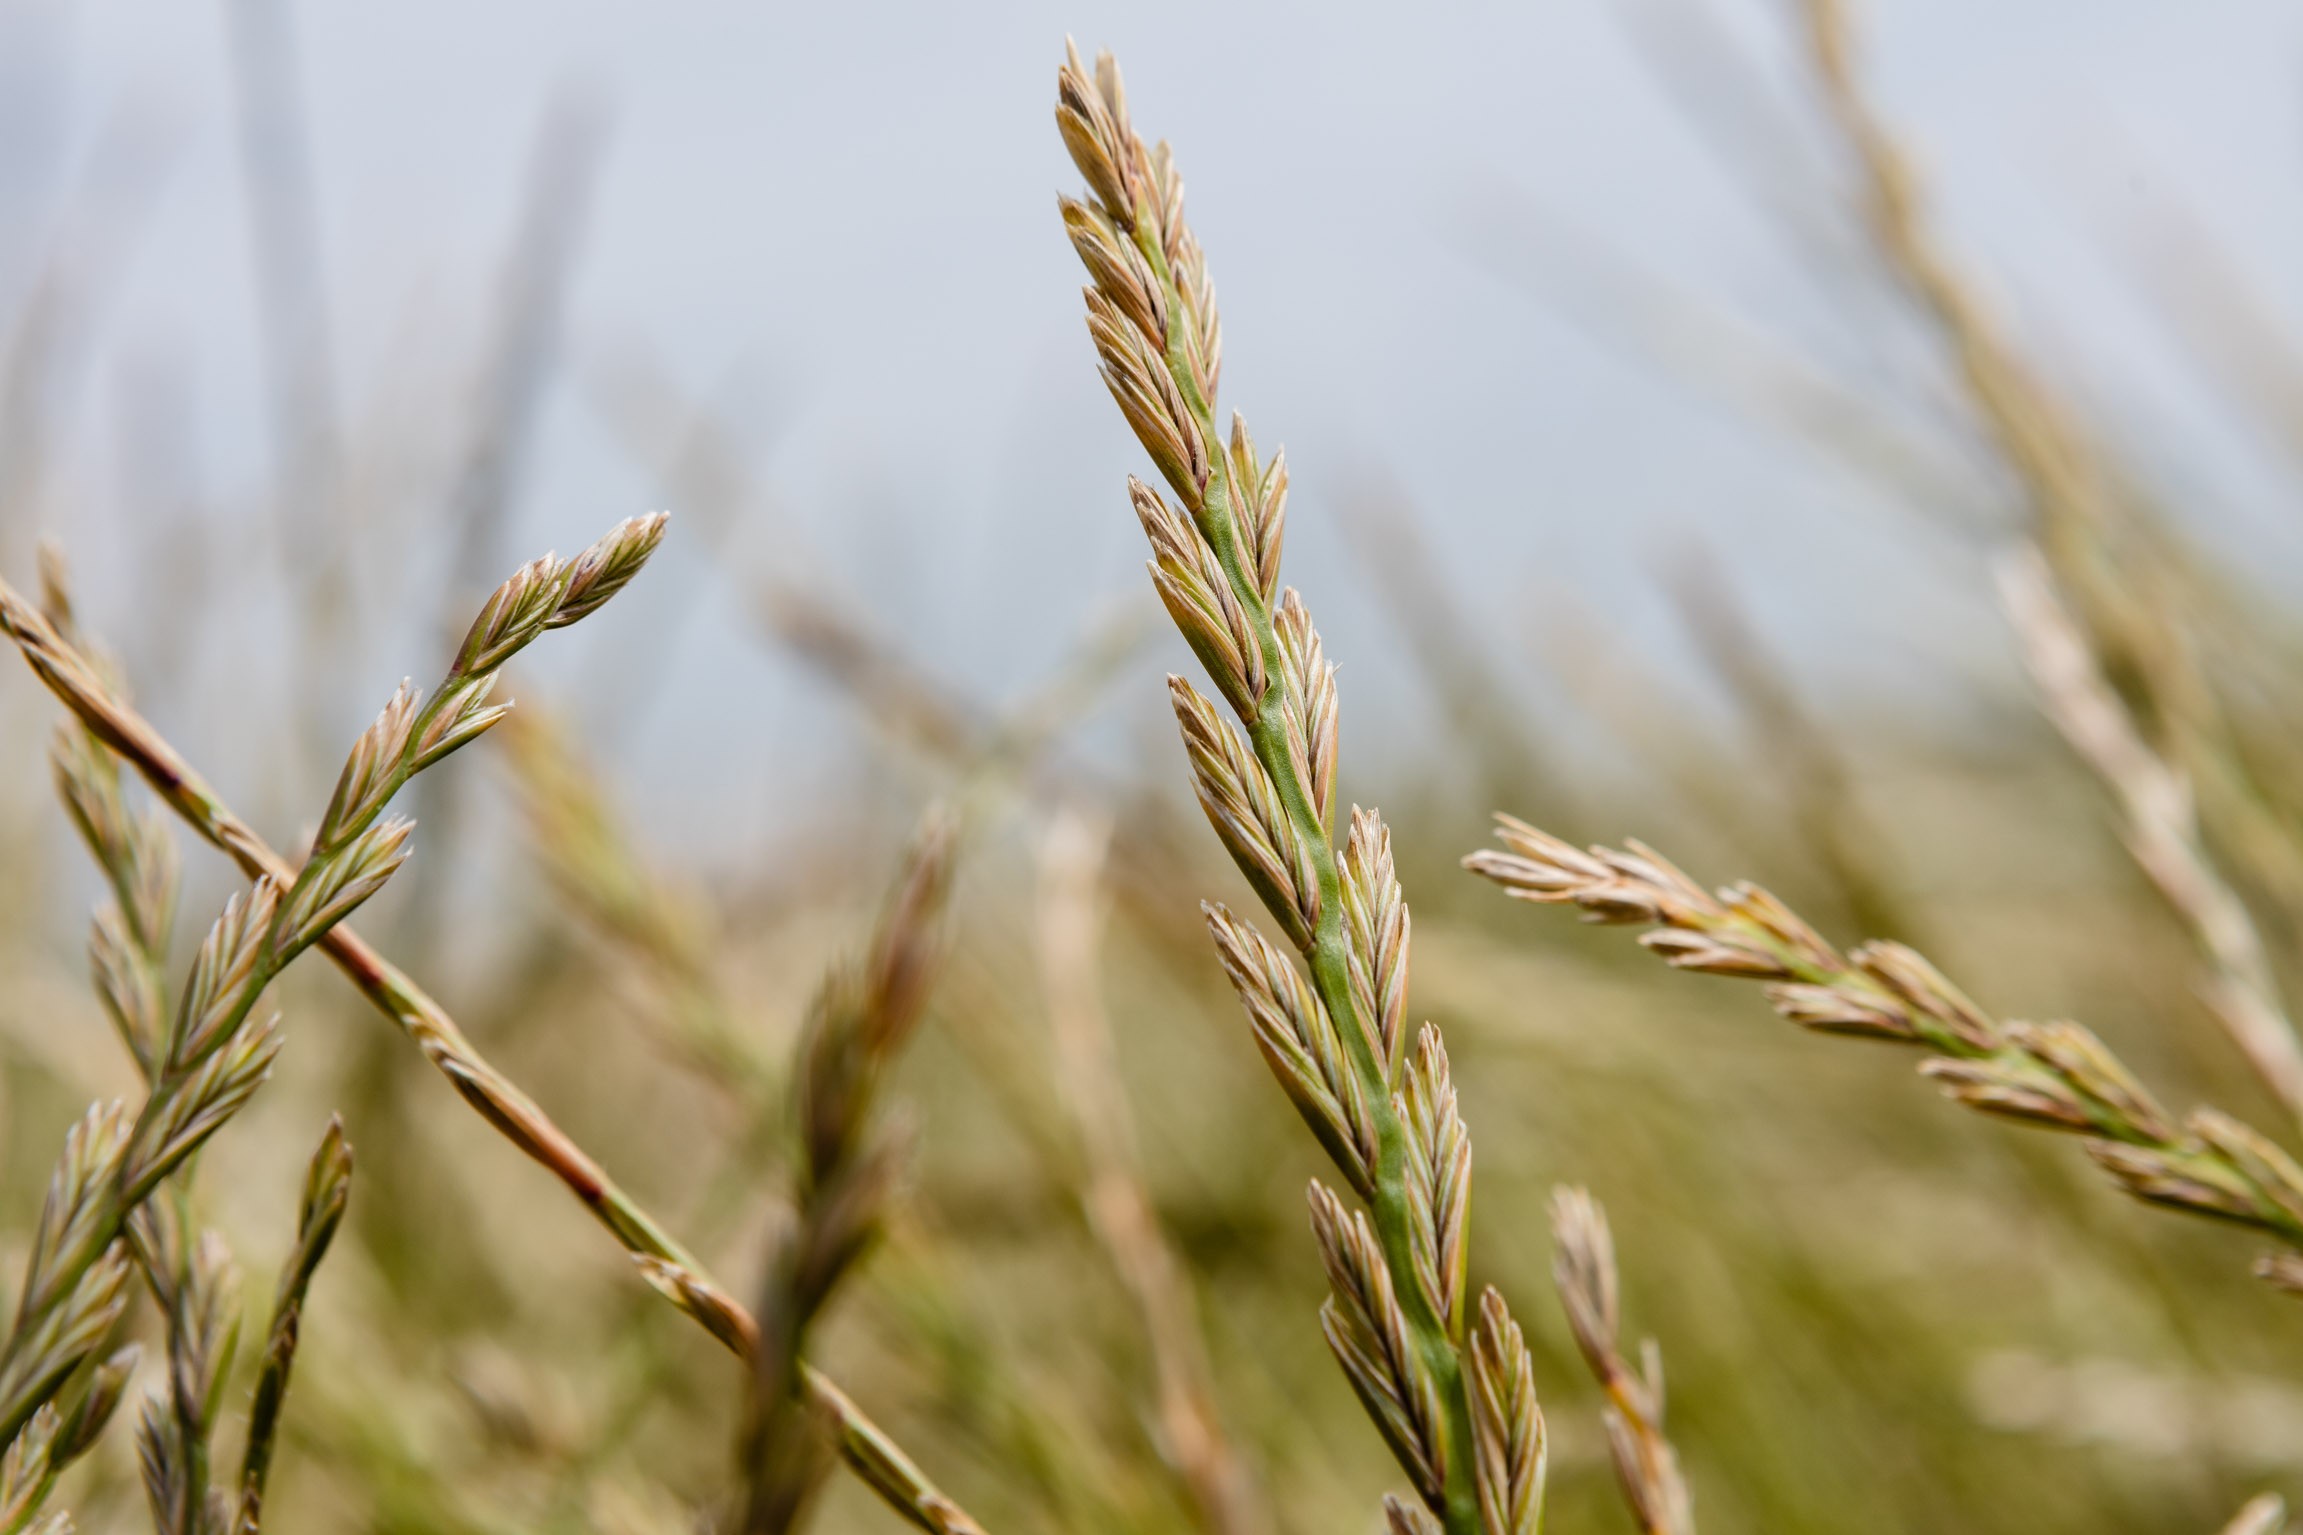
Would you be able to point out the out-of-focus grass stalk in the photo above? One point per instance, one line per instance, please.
(1072, 852)
(658, 929)
(2120, 585)
(2162, 827)
(844, 1174)
(511, 1112)
(1583, 1269)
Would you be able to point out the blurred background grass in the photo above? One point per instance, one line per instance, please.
(1626, 519)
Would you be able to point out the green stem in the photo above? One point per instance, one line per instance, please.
(1330, 954)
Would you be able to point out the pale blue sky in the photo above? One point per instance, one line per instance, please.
(840, 219)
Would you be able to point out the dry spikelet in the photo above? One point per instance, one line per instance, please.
(2180, 1182)
(1800, 944)
(24, 1469)
(191, 1107)
(370, 773)
(513, 615)
(138, 856)
(1300, 1044)
(71, 1224)
(1311, 703)
(1831, 1010)
(2076, 1056)
(1260, 494)
(214, 995)
(49, 1345)
(1244, 807)
(1926, 992)
(1117, 268)
(459, 715)
(338, 887)
(128, 986)
(1507, 1422)
(1401, 1517)
(1369, 1334)
(197, 1289)
(1376, 920)
(1094, 132)
(2254, 1157)
(606, 567)
(1714, 954)
(1198, 596)
(1136, 374)
(2011, 1089)
(1438, 1177)
(1583, 1269)
(85, 1423)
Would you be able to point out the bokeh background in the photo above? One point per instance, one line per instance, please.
(1633, 492)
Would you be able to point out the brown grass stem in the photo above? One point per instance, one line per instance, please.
(1192, 1439)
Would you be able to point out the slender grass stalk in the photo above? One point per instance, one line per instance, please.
(2162, 825)
(191, 1280)
(213, 1054)
(2055, 1076)
(1192, 1438)
(655, 923)
(1385, 1112)
(327, 1188)
(591, 579)
(844, 1177)
(1583, 1268)
(2119, 572)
